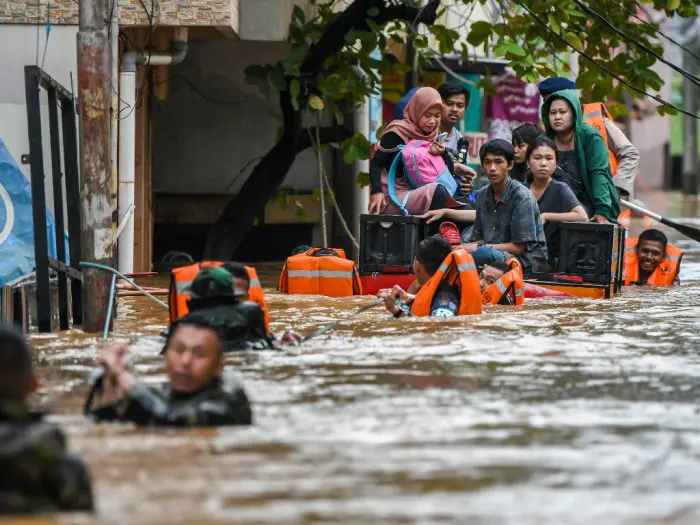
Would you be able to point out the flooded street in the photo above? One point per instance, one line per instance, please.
(567, 411)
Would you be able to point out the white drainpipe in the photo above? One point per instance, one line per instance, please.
(127, 137)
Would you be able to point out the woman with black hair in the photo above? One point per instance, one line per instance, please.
(555, 199)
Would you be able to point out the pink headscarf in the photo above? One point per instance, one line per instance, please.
(408, 128)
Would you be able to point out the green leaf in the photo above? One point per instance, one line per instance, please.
(479, 33)
(276, 77)
(294, 88)
(420, 42)
(574, 39)
(316, 103)
(373, 11)
(672, 5)
(339, 117)
(666, 110)
(617, 109)
(509, 48)
(298, 15)
(363, 179)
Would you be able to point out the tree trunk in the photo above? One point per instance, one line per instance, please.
(239, 215)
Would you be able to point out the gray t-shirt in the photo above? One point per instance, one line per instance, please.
(451, 142)
(557, 198)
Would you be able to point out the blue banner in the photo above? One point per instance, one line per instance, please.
(16, 224)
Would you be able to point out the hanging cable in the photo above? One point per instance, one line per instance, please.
(321, 186)
(603, 67)
(317, 148)
(658, 30)
(641, 45)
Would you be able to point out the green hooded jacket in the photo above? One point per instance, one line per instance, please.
(593, 157)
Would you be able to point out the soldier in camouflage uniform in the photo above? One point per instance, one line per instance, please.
(37, 474)
(221, 300)
(197, 394)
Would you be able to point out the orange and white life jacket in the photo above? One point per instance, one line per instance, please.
(181, 278)
(509, 289)
(665, 273)
(320, 271)
(458, 269)
(595, 114)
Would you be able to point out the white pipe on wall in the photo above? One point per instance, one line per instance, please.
(127, 138)
(127, 160)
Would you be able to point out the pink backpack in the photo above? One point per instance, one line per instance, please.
(421, 168)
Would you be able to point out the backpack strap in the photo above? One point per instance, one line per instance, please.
(391, 183)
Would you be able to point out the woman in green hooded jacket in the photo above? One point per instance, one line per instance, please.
(583, 155)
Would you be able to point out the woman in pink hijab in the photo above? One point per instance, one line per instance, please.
(421, 121)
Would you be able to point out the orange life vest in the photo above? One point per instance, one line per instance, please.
(458, 269)
(320, 272)
(594, 114)
(509, 288)
(665, 273)
(182, 277)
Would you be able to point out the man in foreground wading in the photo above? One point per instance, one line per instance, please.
(197, 393)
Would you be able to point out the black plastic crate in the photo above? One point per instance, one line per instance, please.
(591, 251)
(388, 243)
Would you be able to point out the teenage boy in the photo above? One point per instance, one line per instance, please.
(508, 222)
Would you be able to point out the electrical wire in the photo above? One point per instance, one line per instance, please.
(658, 30)
(603, 67)
(641, 45)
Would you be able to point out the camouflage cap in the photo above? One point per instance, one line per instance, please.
(213, 281)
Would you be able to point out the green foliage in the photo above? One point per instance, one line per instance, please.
(356, 147)
(534, 49)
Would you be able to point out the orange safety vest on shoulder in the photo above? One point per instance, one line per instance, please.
(320, 271)
(182, 278)
(509, 289)
(665, 273)
(594, 114)
(458, 269)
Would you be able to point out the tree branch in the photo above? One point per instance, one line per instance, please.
(355, 18)
(328, 134)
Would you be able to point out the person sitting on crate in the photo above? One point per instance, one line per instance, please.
(583, 155)
(448, 284)
(508, 220)
(623, 156)
(398, 191)
(556, 201)
(650, 259)
(521, 138)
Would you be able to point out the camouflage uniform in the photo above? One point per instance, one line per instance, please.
(221, 402)
(36, 473)
(216, 301)
(242, 325)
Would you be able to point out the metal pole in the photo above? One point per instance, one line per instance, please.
(114, 100)
(690, 131)
(95, 179)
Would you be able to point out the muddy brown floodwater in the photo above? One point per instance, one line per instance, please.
(568, 411)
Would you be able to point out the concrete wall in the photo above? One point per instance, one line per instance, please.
(20, 46)
(650, 136)
(215, 13)
(200, 146)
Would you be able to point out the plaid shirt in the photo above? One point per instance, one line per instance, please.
(37, 475)
(514, 218)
